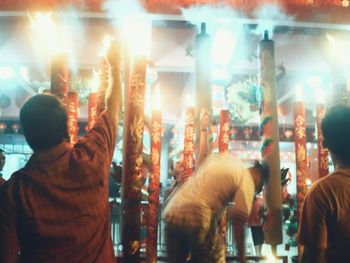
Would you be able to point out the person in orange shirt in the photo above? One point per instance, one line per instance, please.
(55, 209)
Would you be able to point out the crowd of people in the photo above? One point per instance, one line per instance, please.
(55, 209)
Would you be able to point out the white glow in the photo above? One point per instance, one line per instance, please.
(105, 45)
(95, 81)
(137, 32)
(308, 182)
(50, 36)
(338, 50)
(298, 93)
(190, 100)
(223, 46)
(221, 74)
(6, 72)
(271, 259)
(24, 72)
(156, 102)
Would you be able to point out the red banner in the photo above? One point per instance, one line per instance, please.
(300, 152)
(132, 160)
(224, 137)
(92, 109)
(72, 112)
(154, 186)
(323, 167)
(60, 76)
(188, 140)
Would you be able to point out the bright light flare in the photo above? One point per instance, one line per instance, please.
(271, 259)
(105, 45)
(308, 182)
(95, 81)
(137, 32)
(24, 72)
(338, 50)
(49, 34)
(298, 93)
(6, 72)
(190, 100)
(156, 102)
(223, 46)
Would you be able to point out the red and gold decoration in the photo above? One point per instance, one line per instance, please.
(92, 109)
(132, 160)
(224, 140)
(60, 76)
(300, 152)
(270, 137)
(154, 184)
(72, 112)
(188, 140)
(323, 167)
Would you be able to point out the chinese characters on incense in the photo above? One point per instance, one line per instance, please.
(188, 140)
(270, 137)
(72, 112)
(132, 160)
(154, 185)
(300, 152)
(323, 166)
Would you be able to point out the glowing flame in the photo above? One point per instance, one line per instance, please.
(298, 93)
(308, 182)
(95, 81)
(190, 100)
(271, 259)
(106, 42)
(156, 99)
(137, 32)
(49, 34)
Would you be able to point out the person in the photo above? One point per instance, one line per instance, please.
(255, 222)
(56, 209)
(324, 230)
(191, 215)
(2, 164)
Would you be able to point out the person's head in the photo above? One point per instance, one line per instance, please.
(2, 159)
(260, 174)
(335, 127)
(44, 122)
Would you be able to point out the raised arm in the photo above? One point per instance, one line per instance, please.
(114, 96)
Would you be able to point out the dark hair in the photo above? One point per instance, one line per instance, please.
(264, 170)
(44, 121)
(336, 129)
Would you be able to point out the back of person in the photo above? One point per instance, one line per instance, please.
(61, 197)
(210, 189)
(331, 196)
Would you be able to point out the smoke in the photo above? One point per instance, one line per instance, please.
(121, 10)
(268, 16)
(213, 16)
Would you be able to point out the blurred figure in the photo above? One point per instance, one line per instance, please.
(191, 215)
(2, 164)
(324, 230)
(55, 209)
(255, 222)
